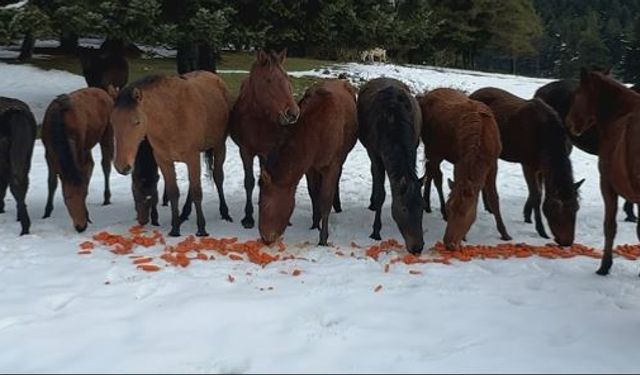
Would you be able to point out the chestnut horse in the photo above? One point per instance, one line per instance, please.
(389, 124)
(559, 95)
(614, 110)
(264, 108)
(532, 135)
(17, 138)
(180, 116)
(317, 146)
(144, 185)
(463, 132)
(72, 126)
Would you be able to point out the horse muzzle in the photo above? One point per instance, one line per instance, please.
(124, 170)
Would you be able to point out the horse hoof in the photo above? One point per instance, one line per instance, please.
(602, 272)
(371, 207)
(528, 221)
(248, 223)
(155, 223)
(106, 203)
(376, 237)
(24, 232)
(337, 209)
(428, 210)
(226, 217)
(2, 210)
(202, 234)
(506, 238)
(174, 233)
(314, 226)
(323, 243)
(629, 219)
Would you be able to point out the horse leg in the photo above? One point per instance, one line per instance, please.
(535, 195)
(53, 185)
(219, 155)
(628, 209)
(437, 179)
(329, 181)
(378, 194)
(426, 195)
(493, 201)
(610, 226)
(173, 193)
(106, 147)
(3, 190)
(249, 184)
(528, 206)
(88, 174)
(195, 188)
(372, 206)
(154, 210)
(165, 197)
(186, 208)
(313, 186)
(337, 205)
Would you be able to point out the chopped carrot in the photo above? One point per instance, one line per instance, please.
(235, 257)
(143, 260)
(84, 252)
(296, 272)
(149, 267)
(87, 245)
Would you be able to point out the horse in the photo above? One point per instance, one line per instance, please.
(144, 186)
(180, 116)
(102, 68)
(317, 147)
(389, 125)
(559, 95)
(532, 135)
(17, 139)
(73, 124)
(463, 132)
(614, 110)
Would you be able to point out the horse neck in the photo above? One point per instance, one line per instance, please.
(398, 161)
(612, 101)
(293, 156)
(556, 166)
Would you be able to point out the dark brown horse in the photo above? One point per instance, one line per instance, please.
(464, 133)
(316, 147)
(72, 126)
(180, 116)
(17, 138)
(559, 95)
(265, 106)
(389, 124)
(614, 110)
(144, 185)
(102, 68)
(532, 135)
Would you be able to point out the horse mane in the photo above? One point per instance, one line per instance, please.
(125, 97)
(394, 121)
(68, 168)
(476, 148)
(555, 152)
(610, 93)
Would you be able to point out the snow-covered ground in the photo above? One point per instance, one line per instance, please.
(61, 312)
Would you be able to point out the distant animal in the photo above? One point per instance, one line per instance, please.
(144, 185)
(374, 54)
(532, 135)
(559, 95)
(463, 132)
(181, 117)
(389, 125)
(103, 68)
(73, 124)
(17, 138)
(614, 110)
(264, 108)
(316, 147)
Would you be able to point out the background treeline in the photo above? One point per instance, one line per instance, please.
(534, 37)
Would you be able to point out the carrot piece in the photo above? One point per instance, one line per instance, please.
(84, 252)
(296, 272)
(87, 245)
(235, 257)
(142, 260)
(149, 267)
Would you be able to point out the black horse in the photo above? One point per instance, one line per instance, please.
(144, 185)
(102, 68)
(17, 138)
(389, 124)
(559, 95)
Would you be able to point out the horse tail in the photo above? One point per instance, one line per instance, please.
(68, 166)
(208, 159)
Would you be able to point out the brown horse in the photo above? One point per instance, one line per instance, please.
(265, 106)
(463, 132)
(614, 110)
(180, 116)
(389, 124)
(17, 138)
(317, 146)
(72, 126)
(532, 135)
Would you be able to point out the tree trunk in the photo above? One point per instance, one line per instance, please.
(26, 50)
(68, 41)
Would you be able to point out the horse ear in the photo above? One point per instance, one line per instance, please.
(262, 57)
(451, 183)
(136, 94)
(282, 56)
(112, 91)
(577, 185)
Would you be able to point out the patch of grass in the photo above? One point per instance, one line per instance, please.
(139, 68)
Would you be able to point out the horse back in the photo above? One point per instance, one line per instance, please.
(88, 117)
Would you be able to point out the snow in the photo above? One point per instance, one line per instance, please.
(62, 312)
(16, 5)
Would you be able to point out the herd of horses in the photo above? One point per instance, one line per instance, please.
(150, 124)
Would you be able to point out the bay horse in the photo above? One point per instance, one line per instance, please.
(389, 125)
(316, 147)
(17, 139)
(180, 116)
(614, 110)
(144, 186)
(73, 124)
(262, 111)
(102, 68)
(532, 135)
(463, 132)
(559, 95)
